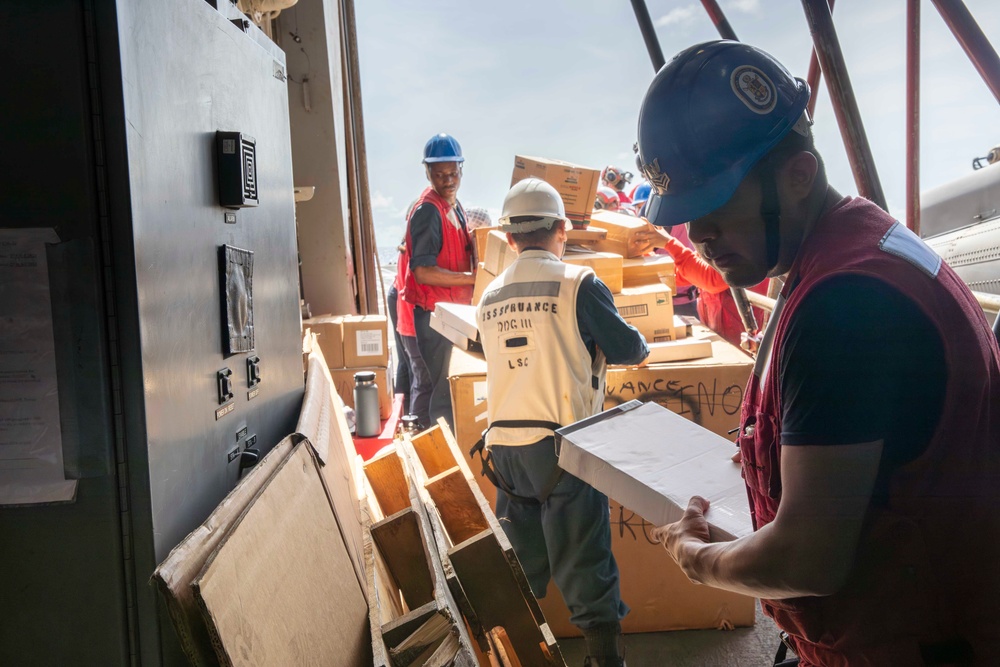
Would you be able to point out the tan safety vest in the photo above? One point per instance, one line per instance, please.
(538, 367)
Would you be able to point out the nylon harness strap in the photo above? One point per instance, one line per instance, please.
(496, 478)
(770, 210)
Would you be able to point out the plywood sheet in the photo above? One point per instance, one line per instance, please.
(401, 542)
(174, 575)
(460, 513)
(274, 592)
(388, 482)
(433, 451)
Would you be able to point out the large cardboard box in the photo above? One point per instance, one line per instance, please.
(343, 380)
(607, 266)
(649, 270)
(706, 391)
(621, 228)
(483, 278)
(653, 585)
(329, 330)
(576, 185)
(366, 342)
(650, 309)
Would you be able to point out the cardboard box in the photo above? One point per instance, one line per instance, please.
(661, 597)
(329, 332)
(479, 234)
(649, 270)
(607, 266)
(621, 231)
(343, 380)
(483, 278)
(457, 323)
(650, 309)
(499, 255)
(366, 342)
(460, 317)
(707, 391)
(576, 185)
(653, 460)
(586, 237)
(679, 350)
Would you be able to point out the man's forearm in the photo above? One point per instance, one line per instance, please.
(438, 277)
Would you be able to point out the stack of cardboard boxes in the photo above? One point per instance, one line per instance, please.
(355, 343)
(643, 286)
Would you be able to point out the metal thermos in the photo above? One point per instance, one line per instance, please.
(366, 404)
(409, 425)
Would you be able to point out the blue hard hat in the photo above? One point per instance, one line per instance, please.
(640, 193)
(710, 114)
(442, 148)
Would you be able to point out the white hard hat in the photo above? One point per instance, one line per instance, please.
(531, 197)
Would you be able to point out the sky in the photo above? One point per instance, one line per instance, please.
(564, 79)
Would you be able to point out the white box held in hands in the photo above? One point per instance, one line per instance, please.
(652, 461)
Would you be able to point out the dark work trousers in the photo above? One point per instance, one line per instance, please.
(420, 382)
(436, 352)
(402, 379)
(566, 538)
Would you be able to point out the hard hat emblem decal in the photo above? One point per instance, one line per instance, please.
(656, 178)
(754, 89)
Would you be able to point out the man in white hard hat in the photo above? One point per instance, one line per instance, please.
(548, 331)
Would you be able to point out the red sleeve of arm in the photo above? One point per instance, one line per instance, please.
(693, 269)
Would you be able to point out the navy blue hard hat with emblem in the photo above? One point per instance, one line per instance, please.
(709, 115)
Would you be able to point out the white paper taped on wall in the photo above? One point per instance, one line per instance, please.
(31, 457)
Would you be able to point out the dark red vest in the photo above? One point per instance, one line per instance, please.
(927, 567)
(455, 255)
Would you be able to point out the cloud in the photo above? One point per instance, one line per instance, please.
(381, 201)
(679, 16)
(745, 6)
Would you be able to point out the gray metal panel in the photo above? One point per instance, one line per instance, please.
(187, 72)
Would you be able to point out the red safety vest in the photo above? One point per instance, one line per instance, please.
(927, 566)
(455, 255)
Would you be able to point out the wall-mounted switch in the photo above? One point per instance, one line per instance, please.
(253, 371)
(225, 384)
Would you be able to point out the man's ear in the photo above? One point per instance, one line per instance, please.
(427, 173)
(563, 230)
(510, 241)
(798, 174)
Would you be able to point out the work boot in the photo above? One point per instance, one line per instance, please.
(605, 647)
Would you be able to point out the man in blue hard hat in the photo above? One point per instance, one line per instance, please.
(439, 264)
(870, 427)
